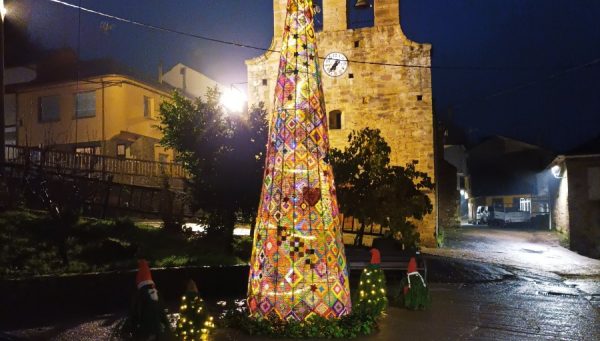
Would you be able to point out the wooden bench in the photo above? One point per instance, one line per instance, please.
(359, 258)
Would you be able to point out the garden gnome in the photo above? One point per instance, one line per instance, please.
(371, 288)
(416, 293)
(147, 318)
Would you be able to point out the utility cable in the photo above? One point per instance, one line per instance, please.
(252, 47)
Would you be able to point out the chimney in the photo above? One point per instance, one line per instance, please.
(182, 72)
(160, 72)
(387, 12)
(335, 17)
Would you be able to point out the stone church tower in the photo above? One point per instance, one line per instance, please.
(396, 100)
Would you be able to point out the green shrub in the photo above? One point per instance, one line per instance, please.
(359, 323)
(242, 247)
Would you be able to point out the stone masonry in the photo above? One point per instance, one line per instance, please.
(395, 99)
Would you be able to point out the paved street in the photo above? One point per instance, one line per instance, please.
(534, 250)
(534, 290)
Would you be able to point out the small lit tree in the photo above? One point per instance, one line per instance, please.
(194, 322)
(371, 287)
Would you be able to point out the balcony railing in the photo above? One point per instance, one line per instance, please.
(91, 164)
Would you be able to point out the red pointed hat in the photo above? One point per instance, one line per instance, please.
(375, 256)
(143, 275)
(412, 265)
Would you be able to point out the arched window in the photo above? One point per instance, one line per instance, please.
(335, 119)
(360, 17)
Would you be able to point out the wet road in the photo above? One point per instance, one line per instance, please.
(519, 309)
(551, 294)
(534, 250)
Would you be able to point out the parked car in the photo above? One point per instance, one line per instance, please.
(482, 215)
(500, 216)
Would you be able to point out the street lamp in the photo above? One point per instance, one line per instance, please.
(233, 99)
(556, 170)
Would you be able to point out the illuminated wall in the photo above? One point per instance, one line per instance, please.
(396, 100)
(298, 267)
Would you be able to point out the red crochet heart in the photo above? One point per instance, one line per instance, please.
(311, 195)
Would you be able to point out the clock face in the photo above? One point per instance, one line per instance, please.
(335, 64)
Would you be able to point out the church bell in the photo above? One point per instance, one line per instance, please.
(362, 4)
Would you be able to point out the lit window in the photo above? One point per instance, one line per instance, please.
(88, 150)
(85, 103)
(148, 106)
(121, 150)
(10, 135)
(335, 119)
(525, 205)
(49, 109)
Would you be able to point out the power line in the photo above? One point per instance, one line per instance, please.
(527, 84)
(252, 47)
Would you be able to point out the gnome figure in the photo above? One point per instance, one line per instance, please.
(415, 292)
(371, 288)
(147, 318)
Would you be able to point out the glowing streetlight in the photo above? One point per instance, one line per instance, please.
(556, 171)
(233, 99)
(2, 9)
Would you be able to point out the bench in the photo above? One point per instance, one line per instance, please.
(359, 258)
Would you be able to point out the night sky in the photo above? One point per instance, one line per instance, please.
(508, 67)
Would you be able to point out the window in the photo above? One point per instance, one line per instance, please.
(318, 15)
(350, 75)
(121, 150)
(335, 119)
(49, 109)
(85, 103)
(148, 106)
(357, 43)
(525, 205)
(264, 82)
(419, 97)
(10, 136)
(88, 150)
(359, 17)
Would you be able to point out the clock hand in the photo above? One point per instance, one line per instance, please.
(334, 66)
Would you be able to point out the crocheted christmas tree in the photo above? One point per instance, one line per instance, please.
(298, 265)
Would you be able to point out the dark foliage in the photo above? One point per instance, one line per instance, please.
(373, 191)
(360, 322)
(224, 155)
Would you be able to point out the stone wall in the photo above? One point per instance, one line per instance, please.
(395, 99)
(448, 196)
(584, 209)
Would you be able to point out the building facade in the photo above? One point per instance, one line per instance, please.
(508, 175)
(191, 83)
(111, 115)
(359, 91)
(574, 182)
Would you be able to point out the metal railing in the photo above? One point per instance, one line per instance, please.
(90, 163)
